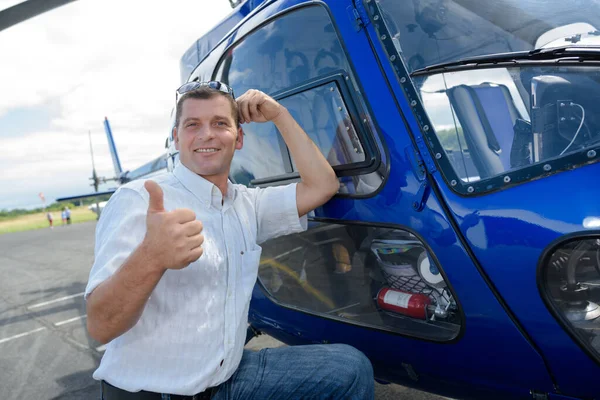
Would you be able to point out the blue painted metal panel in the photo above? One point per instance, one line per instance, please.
(489, 331)
(507, 231)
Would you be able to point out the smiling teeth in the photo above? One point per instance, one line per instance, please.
(205, 150)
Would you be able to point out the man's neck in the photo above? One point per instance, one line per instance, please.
(219, 181)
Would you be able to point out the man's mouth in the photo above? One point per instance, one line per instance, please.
(208, 150)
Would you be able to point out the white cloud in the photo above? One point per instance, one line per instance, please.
(91, 59)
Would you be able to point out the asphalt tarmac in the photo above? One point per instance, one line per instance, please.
(45, 351)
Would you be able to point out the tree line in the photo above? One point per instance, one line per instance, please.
(56, 206)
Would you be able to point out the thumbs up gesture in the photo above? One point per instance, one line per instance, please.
(174, 237)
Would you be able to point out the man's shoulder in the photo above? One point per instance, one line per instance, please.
(270, 194)
(246, 192)
(240, 188)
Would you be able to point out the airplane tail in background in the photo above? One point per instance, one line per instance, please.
(152, 167)
(113, 148)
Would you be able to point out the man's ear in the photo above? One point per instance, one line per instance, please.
(175, 137)
(239, 141)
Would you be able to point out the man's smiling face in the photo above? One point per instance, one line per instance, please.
(207, 136)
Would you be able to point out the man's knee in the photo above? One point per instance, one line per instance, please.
(357, 367)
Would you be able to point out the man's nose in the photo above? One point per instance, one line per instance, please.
(205, 132)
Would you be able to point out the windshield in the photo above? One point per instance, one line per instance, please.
(428, 32)
(515, 120)
(492, 121)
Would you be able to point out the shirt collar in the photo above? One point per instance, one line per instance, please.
(204, 190)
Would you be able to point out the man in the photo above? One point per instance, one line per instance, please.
(68, 215)
(176, 260)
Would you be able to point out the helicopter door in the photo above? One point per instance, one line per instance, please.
(507, 150)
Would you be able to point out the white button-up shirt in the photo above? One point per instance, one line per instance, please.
(192, 331)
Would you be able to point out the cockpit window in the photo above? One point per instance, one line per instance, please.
(495, 121)
(473, 114)
(428, 32)
(505, 92)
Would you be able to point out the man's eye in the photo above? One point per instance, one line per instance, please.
(191, 124)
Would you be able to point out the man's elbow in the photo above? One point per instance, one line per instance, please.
(99, 335)
(332, 187)
(96, 323)
(317, 194)
(327, 190)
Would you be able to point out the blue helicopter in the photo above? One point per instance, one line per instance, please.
(462, 253)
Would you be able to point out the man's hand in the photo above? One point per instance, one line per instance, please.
(174, 238)
(255, 106)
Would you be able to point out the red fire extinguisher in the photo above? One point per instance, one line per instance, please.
(410, 304)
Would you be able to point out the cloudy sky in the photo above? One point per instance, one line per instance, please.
(64, 71)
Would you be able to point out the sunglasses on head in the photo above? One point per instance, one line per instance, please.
(190, 86)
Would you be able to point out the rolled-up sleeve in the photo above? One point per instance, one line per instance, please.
(277, 212)
(120, 230)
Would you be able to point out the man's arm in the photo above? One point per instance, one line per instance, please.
(319, 182)
(172, 241)
(116, 304)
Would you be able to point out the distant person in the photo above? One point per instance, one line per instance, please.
(49, 216)
(68, 215)
(64, 217)
(177, 259)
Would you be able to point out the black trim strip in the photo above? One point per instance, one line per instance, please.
(505, 64)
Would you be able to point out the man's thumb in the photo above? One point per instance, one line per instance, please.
(156, 197)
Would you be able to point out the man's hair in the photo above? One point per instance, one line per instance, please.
(205, 93)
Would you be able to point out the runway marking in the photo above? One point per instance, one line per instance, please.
(22, 334)
(70, 320)
(45, 303)
(101, 348)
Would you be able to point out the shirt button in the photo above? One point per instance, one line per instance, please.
(242, 252)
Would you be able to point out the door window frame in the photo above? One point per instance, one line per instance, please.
(373, 159)
(339, 78)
